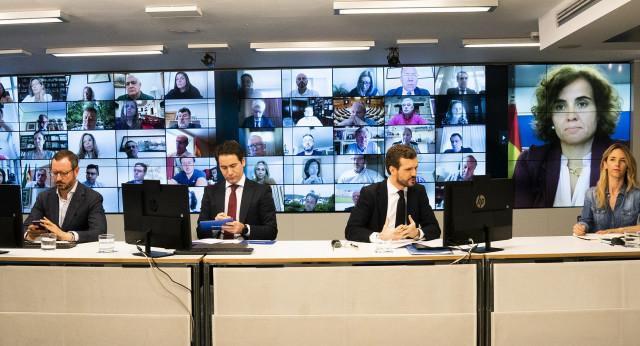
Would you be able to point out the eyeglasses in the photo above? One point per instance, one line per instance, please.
(62, 174)
(130, 83)
(253, 146)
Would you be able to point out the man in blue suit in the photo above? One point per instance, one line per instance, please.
(71, 210)
(258, 119)
(409, 79)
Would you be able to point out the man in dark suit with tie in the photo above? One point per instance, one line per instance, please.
(248, 203)
(395, 208)
(409, 80)
(462, 78)
(72, 211)
(258, 119)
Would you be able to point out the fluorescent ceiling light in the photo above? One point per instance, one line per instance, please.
(106, 51)
(208, 46)
(13, 53)
(33, 17)
(417, 42)
(311, 46)
(501, 43)
(413, 6)
(173, 11)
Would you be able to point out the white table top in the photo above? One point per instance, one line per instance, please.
(321, 251)
(88, 252)
(521, 247)
(561, 246)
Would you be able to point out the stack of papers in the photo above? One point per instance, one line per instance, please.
(595, 236)
(429, 251)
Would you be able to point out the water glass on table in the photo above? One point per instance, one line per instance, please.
(48, 241)
(106, 243)
(383, 246)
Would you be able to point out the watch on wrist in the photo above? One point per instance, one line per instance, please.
(245, 230)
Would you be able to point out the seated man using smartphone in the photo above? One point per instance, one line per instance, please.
(72, 211)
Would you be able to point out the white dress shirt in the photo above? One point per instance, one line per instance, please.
(227, 193)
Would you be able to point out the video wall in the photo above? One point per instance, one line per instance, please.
(563, 118)
(315, 135)
(124, 127)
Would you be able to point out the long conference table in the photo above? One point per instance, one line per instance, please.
(539, 290)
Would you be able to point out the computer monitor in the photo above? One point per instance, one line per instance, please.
(156, 215)
(478, 211)
(11, 217)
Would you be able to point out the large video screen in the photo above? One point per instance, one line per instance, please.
(315, 135)
(124, 127)
(562, 119)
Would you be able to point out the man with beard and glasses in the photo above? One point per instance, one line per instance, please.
(395, 208)
(71, 210)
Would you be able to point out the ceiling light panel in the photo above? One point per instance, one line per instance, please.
(173, 11)
(311, 46)
(413, 6)
(33, 17)
(106, 51)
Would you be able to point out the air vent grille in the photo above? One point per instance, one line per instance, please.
(573, 9)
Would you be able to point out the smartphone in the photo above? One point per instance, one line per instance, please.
(37, 223)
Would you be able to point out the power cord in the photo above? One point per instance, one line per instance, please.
(472, 248)
(151, 263)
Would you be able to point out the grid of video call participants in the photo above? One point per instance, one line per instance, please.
(316, 136)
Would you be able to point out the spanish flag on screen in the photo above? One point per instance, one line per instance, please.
(515, 148)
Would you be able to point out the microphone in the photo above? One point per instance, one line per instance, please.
(335, 243)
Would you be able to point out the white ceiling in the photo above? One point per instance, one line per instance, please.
(239, 22)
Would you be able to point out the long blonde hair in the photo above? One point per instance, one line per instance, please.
(631, 178)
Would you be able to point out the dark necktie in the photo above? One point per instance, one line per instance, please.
(401, 210)
(231, 209)
(257, 122)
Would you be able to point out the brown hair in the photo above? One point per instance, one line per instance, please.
(64, 153)
(397, 152)
(605, 97)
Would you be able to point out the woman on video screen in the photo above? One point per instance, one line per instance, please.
(365, 86)
(129, 118)
(88, 147)
(577, 111)
(455, 114)
(261, 174)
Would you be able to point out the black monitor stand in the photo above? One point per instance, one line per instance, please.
(147, 249)
(487, 243)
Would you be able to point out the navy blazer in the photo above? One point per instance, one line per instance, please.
(257, 209)
(416, 91)
(456, 91)
(85, 213)
(370, 214)
(264, 122)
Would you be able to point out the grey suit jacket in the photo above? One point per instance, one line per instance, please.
(257, 210)
(85, 214)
